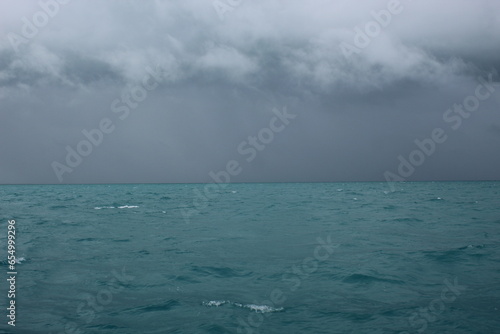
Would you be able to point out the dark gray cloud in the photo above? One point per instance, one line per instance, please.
(214, 82)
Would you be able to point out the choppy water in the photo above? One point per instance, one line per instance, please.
(255, 258)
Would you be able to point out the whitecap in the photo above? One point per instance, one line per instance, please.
(120, 207)
(215, 303)
(263, 308)
(20, 259)
(252, 307)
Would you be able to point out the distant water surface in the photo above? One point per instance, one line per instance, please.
(254, 258)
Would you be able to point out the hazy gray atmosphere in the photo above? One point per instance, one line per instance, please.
(169, 91)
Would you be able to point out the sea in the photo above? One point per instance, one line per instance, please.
(414, 257)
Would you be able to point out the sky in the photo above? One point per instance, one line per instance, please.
(249, 91)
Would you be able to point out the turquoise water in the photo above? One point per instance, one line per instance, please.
(254, 258)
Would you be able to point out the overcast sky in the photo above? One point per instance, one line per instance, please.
(177, 87)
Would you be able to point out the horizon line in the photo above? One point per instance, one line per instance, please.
(247, 182)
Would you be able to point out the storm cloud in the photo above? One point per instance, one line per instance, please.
(169, 91)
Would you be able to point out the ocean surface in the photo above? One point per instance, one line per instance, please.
(254, 258)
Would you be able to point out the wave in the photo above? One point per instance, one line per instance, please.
(260, 308)
(252, 307)
(362, 278)
(116, 207)
(216, 303)
(223, 272)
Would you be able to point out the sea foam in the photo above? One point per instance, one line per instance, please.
(113, 207)
(252, 307)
